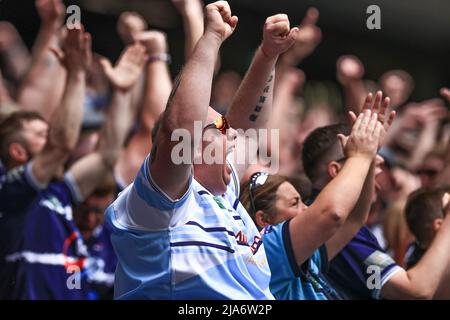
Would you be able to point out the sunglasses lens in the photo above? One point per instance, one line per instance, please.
(259, 179)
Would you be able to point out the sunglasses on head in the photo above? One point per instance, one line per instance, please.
(220, 124)
(256, 180)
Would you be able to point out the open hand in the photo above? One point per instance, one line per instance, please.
(380, 107)
(128, 69)
(52, 12)
(365, 136)
(307, 40)
(76, 54)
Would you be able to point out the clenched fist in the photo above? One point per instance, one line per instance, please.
(278, 37)
(219, 20)
(154, 41)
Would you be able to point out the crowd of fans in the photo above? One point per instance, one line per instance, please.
(92, 205)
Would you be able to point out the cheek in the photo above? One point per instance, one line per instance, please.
(286, 214)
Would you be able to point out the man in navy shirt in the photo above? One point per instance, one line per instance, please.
(363, 270)
(44, 254)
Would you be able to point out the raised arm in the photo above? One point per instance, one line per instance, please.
(191, 12)
(252, 104)
(319, 222)
(189, 100)
(422, 281)
(43, 86)
(349, 73)
(158, 82)
(358, 216)
(156, 92)
(444, 177)
(306, 42)
(91, 170)
(66, 120)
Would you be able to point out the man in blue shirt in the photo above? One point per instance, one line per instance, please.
(179, 230)
(363, 270)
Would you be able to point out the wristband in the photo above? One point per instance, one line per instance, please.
(165, 57)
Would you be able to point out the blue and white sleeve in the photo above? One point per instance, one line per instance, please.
(144, 206)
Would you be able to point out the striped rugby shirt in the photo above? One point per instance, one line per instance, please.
(197, 247)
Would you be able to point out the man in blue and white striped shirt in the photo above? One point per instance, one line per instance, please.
(179, 230)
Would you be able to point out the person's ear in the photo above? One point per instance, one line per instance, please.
(262, 220)
(17, 152)
(437, 223)
(333, 169)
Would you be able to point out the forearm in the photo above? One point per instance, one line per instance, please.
(115, 128)
(422, 281)
(342, 193)
(39, 90)
(360, 212)
(66, 120)
(193, 28)
(252, 104)
(357, 217)
(354, 94)
(189, 100)
(444, 177)
(157, 92)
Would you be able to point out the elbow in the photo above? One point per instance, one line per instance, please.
(334, 215)
(423, 294)
(61, 147)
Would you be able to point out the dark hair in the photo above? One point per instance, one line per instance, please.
(107, 187)
(422, 208)
(264, 196)
(320, 147)
(10, 131)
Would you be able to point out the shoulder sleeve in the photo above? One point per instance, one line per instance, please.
(278, 247)
(320, 258)
(74, 190)
(18, 188)
(371, 266)
(144, 206)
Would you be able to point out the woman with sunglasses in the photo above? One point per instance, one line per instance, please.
(300, 240)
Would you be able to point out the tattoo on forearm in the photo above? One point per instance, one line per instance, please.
(262, 99)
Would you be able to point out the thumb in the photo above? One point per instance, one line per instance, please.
(342, 140)
(311, 17)
(106, 66)
(352, 116)
(293, 34)
(445, 92)
(57, 53)
(233, 22)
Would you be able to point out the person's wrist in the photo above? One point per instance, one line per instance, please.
(213, 38)
(51, 25)
(192, 12)
(266, 53)
(77, 73)
(362, 156)
(160, 57)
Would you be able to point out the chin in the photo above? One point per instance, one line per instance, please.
(219, 190)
